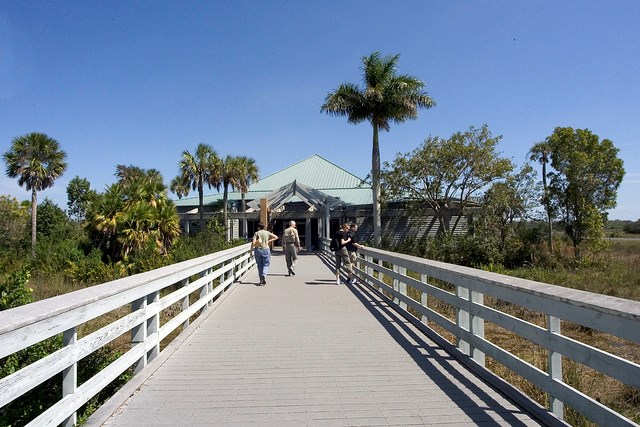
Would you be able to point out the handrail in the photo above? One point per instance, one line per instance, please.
(191, 286)
(412, 285)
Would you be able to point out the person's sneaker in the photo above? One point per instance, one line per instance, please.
(353, 280)
(293, 273)
(337, 281)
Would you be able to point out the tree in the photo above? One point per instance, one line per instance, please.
(37, 161)
(229, 177)
(52, 221)
(14, 218)
(132, 214)
(584, 182)
(446, 174)
(247, 173)
(507, 201)
(541, 152)
(385, 97)
(79, 198)
(196, 171)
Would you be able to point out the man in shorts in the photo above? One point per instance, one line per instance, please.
(342, 254)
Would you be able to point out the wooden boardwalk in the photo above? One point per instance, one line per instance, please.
(303, 351)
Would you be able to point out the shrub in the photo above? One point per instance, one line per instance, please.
(14, 291)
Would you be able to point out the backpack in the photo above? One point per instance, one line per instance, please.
(334, 246)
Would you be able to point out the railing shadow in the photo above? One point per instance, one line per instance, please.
(434, 360)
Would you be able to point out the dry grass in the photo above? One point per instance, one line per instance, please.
(616, 274)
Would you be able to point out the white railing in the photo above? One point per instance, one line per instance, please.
(474, 300)
(154, 304)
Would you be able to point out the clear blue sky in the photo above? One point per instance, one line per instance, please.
(138, 82)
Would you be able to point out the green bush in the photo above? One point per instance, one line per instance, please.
(14, 291)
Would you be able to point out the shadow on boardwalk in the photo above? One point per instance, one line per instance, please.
(303, 351)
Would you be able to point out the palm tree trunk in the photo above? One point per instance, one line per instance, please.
(201, 204)
(34, 216)
(547, 207)
(375, 172)
(224, 212)
(245, 224)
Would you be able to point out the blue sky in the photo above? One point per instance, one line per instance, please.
(138, 82)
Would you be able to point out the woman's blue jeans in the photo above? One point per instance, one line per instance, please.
(263, 260)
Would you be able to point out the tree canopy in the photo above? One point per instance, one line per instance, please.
(445, 174)
(584, 181)
(384, 97)
(37, 161)
(132, 213)
(79, 198)
(195, 171)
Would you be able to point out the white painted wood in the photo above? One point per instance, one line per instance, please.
(70, 375)
(611, 315)
(24, 326)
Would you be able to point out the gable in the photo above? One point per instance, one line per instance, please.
(315, 172)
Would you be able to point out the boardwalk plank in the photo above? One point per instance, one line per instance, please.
(303, 351)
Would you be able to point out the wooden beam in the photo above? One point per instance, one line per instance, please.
(264, 211)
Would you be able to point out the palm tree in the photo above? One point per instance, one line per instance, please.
(385, 97)
(133, 213)
(37, 161)
(167, 224)
(541, 152)
(247, 174)
(196, 171)
(229, 178)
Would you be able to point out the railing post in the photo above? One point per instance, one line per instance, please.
(396, 285)
(555, 367)
(368, 269)
(402, 286)
(185, 303)
(463, 320)
(424, 298)
(204, 290)
(477, 328)
(139, 332)
(153, 326)
(70, 374)
(380, 274)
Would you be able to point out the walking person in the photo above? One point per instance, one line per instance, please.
(352, 247)
(342, 254)
(291, 242)
(261, 242)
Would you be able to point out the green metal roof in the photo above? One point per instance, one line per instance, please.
(315, 172)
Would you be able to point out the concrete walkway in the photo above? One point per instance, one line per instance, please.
(303, 351)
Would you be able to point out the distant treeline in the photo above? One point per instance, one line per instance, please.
(631, 227)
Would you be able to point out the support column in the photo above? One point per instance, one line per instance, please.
(264, 212)
(307, 233)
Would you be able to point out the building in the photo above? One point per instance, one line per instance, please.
(319, 196)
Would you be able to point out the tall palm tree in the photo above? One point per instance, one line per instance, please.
(196, 171)
(247, 173)
(229, 178)
(385, 97)
(541, 152)
(37, 160)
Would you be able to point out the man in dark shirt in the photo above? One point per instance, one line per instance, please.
(342, 254)
(352, 247)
